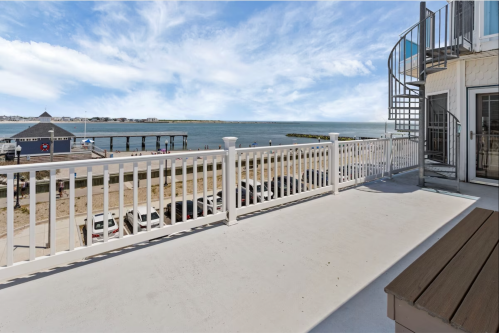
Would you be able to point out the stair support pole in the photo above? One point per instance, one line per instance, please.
(422, 100)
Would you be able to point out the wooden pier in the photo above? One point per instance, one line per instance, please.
(158, 136)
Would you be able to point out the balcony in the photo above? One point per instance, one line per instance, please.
(305, 261)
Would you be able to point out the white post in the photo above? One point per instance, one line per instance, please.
(389, 156)
(230, 177)
(335, 156)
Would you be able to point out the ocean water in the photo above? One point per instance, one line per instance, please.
(201, 134)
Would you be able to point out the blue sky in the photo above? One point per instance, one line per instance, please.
(322, 61)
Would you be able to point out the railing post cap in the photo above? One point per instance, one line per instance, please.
(334, 135)
(230, 138)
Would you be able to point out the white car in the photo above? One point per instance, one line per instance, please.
(142, 217)
(209, 203)
(98, 227)
(267, 194)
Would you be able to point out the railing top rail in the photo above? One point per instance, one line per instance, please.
(357, 141)
(283, 147)
(106, 161)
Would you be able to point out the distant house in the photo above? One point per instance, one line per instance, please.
(123, 120)
(35, 140)
(66, 118)
(151, 120)
(4, 118)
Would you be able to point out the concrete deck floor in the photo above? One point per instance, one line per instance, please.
(317, 265)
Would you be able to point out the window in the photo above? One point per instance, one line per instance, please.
(491, 18)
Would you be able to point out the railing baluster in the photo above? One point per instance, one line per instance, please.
(135, 196)
(148, 195)
(10, 219)
(276, 195)
(184, 190)
(255, 177)
(71, 210)
(299, 170)
(322, 178)
(269, 173)
(161, 186)
(89, 225)
(247, 162)
(121, 184)
(288, 157)
(205, 185)
(53, 204)
(215, 210)
(293, 185)
(224, 185)
(105, 217)
(195, 187)
(305, 173)
(262, 175)
(173, 204)
(316, 171)
(239, 173)
(32, 215)
(282, 174)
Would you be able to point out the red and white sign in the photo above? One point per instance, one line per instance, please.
(45, 147)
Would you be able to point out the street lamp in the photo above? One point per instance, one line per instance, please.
(166, 169)
(18, 153)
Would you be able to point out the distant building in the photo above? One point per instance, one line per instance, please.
(123, 120)
(35, 140)
(151, 120)
(66, 118)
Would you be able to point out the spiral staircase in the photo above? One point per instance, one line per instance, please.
(444, 38)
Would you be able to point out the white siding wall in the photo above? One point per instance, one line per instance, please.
(482, 72)
(442, 81)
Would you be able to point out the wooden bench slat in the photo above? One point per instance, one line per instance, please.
(479, 311)
(414, 280)
(444, 295)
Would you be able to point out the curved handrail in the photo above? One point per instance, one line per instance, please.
(440, 129)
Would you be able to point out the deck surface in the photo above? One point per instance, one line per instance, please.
(318, 265)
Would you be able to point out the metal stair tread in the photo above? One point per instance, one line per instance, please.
(416, 83)
(406, 96)
(432, 70)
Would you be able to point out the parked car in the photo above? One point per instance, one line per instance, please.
(178, 210)
(98, 227)
(210, 203)
(244, 197)
(275, 187)
(251, 187)
(142, 217)
(293, 183)
(313, 175)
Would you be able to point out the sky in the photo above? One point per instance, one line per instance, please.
(262, 61)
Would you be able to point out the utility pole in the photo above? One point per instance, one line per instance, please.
(422, 99)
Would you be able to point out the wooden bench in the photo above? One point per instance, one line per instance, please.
(454, 286)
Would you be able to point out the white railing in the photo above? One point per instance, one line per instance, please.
(285, 173)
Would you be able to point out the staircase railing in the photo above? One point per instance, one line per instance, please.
(408, 68)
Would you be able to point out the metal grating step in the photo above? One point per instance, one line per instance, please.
(407, 96)
(432, 70)
(416, 83)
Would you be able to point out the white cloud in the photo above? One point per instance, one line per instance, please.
(177, 60)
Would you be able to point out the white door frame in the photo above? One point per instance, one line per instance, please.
(472, 92)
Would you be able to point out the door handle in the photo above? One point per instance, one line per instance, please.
(471, 135)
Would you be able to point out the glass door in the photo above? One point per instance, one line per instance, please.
(487, 136)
